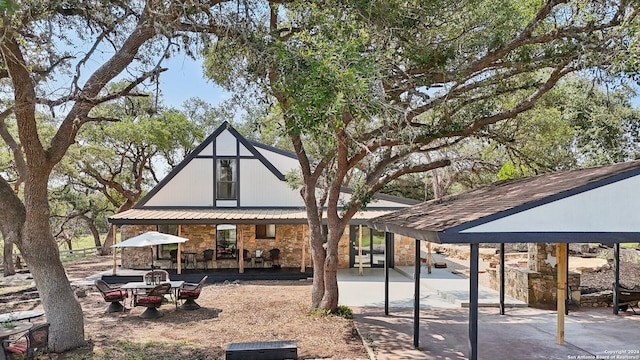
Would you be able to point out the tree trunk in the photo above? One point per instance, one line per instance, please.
(318, 255)
(108, 241)
(94, 230)
(330, 297)
(41, 254)
(7, 260)
(96, 236)
(11, 219)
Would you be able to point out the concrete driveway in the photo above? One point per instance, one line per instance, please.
(522, 333)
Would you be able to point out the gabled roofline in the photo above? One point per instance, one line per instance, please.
(248, 144)
(274, 149)
(224, 126)
(549, 199)
(385, 197)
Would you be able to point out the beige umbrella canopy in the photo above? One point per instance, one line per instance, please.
(151, 238)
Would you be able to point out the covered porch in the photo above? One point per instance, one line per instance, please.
(253, 241)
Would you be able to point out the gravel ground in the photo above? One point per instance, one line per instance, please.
(603, 278)
(243, 312)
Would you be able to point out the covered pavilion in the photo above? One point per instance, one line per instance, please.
(593, 205)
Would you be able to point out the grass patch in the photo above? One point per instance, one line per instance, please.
(342, 311)
(150, 350)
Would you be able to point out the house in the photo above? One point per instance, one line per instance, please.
(231, 193)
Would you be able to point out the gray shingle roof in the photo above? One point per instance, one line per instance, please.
(424, 220)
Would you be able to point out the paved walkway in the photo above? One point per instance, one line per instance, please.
(522, 333)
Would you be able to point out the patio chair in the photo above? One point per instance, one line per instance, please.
(163, 275)
(152, 301)
(33, 343)
(246, 256)
(207, 255)
(274, 257)
(173, 254)
(112, 295)
(190, 292)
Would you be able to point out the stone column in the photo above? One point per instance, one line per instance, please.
(542, 257)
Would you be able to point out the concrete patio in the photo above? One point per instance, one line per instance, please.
(522, 333)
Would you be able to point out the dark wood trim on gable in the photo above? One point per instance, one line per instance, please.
(194, 154)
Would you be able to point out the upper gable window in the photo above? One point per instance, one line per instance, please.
(226, 179)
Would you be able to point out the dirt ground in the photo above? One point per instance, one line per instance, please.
(248, 311)
(242, 312)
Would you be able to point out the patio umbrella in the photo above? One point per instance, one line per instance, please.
(150, 238)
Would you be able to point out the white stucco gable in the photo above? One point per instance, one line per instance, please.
(608, 208)
(259, 183)
(258, 171)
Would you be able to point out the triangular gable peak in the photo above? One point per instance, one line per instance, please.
(586, 205)
(226, 171)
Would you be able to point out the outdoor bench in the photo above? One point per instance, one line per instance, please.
(263, 350)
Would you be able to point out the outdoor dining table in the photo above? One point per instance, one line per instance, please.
(15, 328)
(20, 315)
(141, 285)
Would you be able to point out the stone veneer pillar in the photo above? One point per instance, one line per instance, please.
(542, 257)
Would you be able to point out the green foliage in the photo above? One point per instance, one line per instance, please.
(344, 311)
(316, 313)
(9, 6)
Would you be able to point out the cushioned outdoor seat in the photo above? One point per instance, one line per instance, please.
(152, 300)
(114, 296)
(33, 343)
(190, 292)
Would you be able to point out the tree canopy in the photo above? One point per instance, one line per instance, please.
(365, 86)
(63, 58)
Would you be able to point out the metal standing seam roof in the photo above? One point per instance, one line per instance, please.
(219, 216)
(452, 213)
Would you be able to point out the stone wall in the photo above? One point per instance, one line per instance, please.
(289, 239)
(136, 258)
(599, 299)
(534, 288)
(542, 257)
(626, 255)
(404, 250)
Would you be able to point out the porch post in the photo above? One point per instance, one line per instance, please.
(561, 255)
(304, 253)
(429, 258)
(502, 279)
(240, 250)
(616, 283)
(387, 253)
(179, 259)
(473, 301)
(115, 249)
(360, 271)
(416, 297)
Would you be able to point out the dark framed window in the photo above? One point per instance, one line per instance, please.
(162, 251)
(226, 241)
(267, 231)
(226, 179)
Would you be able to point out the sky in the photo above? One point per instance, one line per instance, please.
(184, 80)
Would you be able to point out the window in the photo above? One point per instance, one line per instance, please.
(226, 241)
(226, 179)
(162, 251)
(266, 231)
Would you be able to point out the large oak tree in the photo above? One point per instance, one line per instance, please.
(61, 56)
(363, 87)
